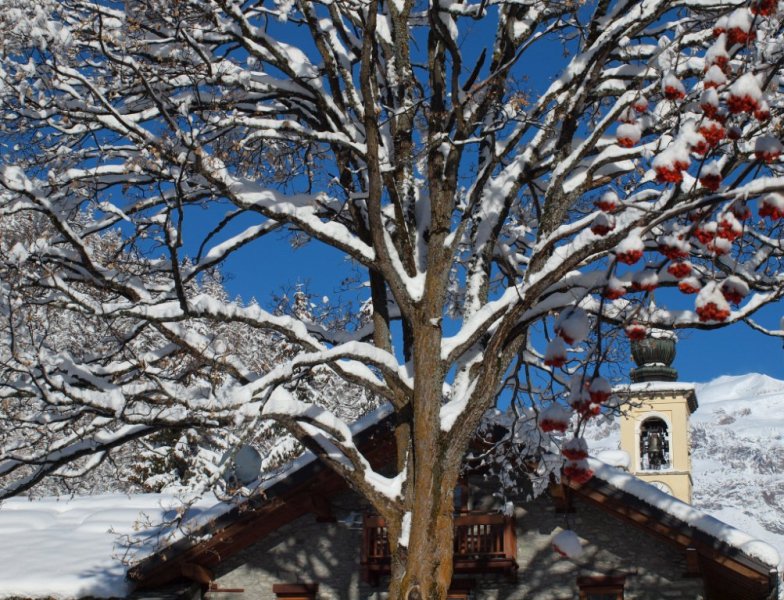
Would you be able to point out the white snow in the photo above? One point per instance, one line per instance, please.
(573, 325)
(746, 85)
(629, 131)
(555, 353)
(568, 544)
(619, 459)
(715, 77)
(405, 529)
(740, 18)
(65, 548)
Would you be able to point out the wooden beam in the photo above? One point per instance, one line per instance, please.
(667, 533)
(197, 573)
(692, 562)
(321, 507)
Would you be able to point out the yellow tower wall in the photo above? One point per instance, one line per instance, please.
(672, 403)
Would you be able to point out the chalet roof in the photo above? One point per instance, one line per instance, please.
(621, 494)
(81, 546)
(731, 562)
(686, 514)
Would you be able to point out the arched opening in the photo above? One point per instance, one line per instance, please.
(654, 445)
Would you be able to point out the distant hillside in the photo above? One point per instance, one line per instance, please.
(737, 439)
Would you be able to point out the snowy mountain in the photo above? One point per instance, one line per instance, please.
(737, 437)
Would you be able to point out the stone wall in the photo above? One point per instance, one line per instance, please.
(654, 571)
(304, 551)
(328, 553)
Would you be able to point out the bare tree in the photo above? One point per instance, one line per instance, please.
(481, 190)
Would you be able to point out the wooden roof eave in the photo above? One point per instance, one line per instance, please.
(669, 528)
(245, 524)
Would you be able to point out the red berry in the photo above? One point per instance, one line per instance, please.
(713, 132)
(613, 293)
(673, 93)
(578, 471)
(673, 252)
(636, 332)
(711, 181)
(764, 8)
(548, 425)
(711, 312)
(741, 104)
(679, 269)
(629, 257)
(689, 286)
(669, 175)
(737, 35)
(732, 296)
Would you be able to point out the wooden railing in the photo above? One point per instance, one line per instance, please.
(483, 543)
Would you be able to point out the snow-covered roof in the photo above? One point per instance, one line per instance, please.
(655, 386)
(71, 548)
(686, 513)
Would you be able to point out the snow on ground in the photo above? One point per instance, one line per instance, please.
(737, 437)
(69, 548)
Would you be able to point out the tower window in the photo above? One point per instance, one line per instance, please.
(654, 445)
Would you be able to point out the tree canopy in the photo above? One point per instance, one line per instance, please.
(511, 215)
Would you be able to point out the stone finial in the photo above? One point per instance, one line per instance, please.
(653, 357)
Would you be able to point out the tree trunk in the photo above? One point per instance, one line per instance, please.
(423, 569)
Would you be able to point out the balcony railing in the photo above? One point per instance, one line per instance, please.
(484, 543)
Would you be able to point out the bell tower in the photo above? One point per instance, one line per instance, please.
(655, 420)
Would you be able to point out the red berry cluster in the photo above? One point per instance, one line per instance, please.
(764, 8)
(774, 213)
(672, 92)
(549, 425)
(689, 286)
(713, 132)
(710, 181)
(679, 269)
(711, 312)
(574, 453)
(636, 332)
(629, 257)
(673, 252)
(613, 293)
(578, 472)
(741, 104)
(732, 294)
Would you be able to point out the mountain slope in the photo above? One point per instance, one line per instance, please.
(737, 443)
(738, 454)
